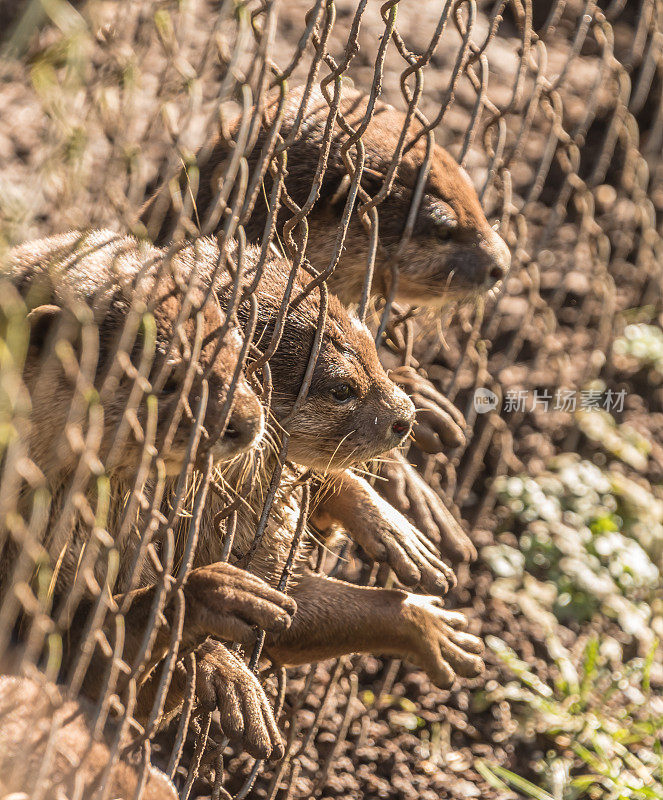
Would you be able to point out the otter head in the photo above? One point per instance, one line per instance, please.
(180, 384)
(352, 411)
(157, 339)
(452, 252)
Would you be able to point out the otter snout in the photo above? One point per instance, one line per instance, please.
(499, 259)
(245, 426)
(245, 431)
(402, 415)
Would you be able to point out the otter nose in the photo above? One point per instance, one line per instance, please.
(500, 259)
(245, 426)
(244, 430)
(403, 419)
(401, 427)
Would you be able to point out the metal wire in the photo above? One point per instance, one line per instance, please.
(546, 139)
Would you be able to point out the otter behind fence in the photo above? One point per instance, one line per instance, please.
(143, 337)
(352, 412)
(452, 252)
(48, 746)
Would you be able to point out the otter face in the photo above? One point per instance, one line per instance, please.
(453, 253)
(216, 366)
(352, 412)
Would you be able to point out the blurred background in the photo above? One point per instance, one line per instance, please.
(556, 111)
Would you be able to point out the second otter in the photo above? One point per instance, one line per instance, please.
(453, 251)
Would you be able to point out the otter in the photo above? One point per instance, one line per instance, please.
(111, 296)
(109, 281)
(453, 251)
(47, 745)
(351, 413)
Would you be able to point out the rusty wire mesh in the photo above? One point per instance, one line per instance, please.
(554, 109)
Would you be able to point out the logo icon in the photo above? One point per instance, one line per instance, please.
(484, 400)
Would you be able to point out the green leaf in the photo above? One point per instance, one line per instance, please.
(489, 776)
(518, 782)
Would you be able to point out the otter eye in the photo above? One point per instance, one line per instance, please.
(342, 393)
(443, 219)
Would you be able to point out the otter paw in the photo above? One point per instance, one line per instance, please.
(225, 601)
(439, 642)
(225, 683)
(439, 423)
(408, 491)
(387, 536)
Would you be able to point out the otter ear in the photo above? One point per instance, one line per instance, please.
(371, 181)
(41, 319)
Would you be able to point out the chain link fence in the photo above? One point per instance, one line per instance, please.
(555, 111)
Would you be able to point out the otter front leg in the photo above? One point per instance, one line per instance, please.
(406, 489)
(335, 618)
(223, 681)
(384, 533)
(220, 600)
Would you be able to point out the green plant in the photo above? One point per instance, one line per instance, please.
(642, 342)
(604, 726)
(589, 537)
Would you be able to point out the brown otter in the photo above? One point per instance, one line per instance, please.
(351, 413)
(47, 745)
(90, 293)
(113, 283)
(453, 251)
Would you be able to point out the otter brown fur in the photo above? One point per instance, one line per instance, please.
(453, 251)
(368, 416)
(115, 283)
(108, 277)
(47, 746)
(333, 617)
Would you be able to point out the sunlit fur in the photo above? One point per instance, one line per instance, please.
(107, 278)
(452, 252)
(64, 759)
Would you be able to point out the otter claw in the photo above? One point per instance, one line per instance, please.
(438, 646)
(408, 492)
(227, 602)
